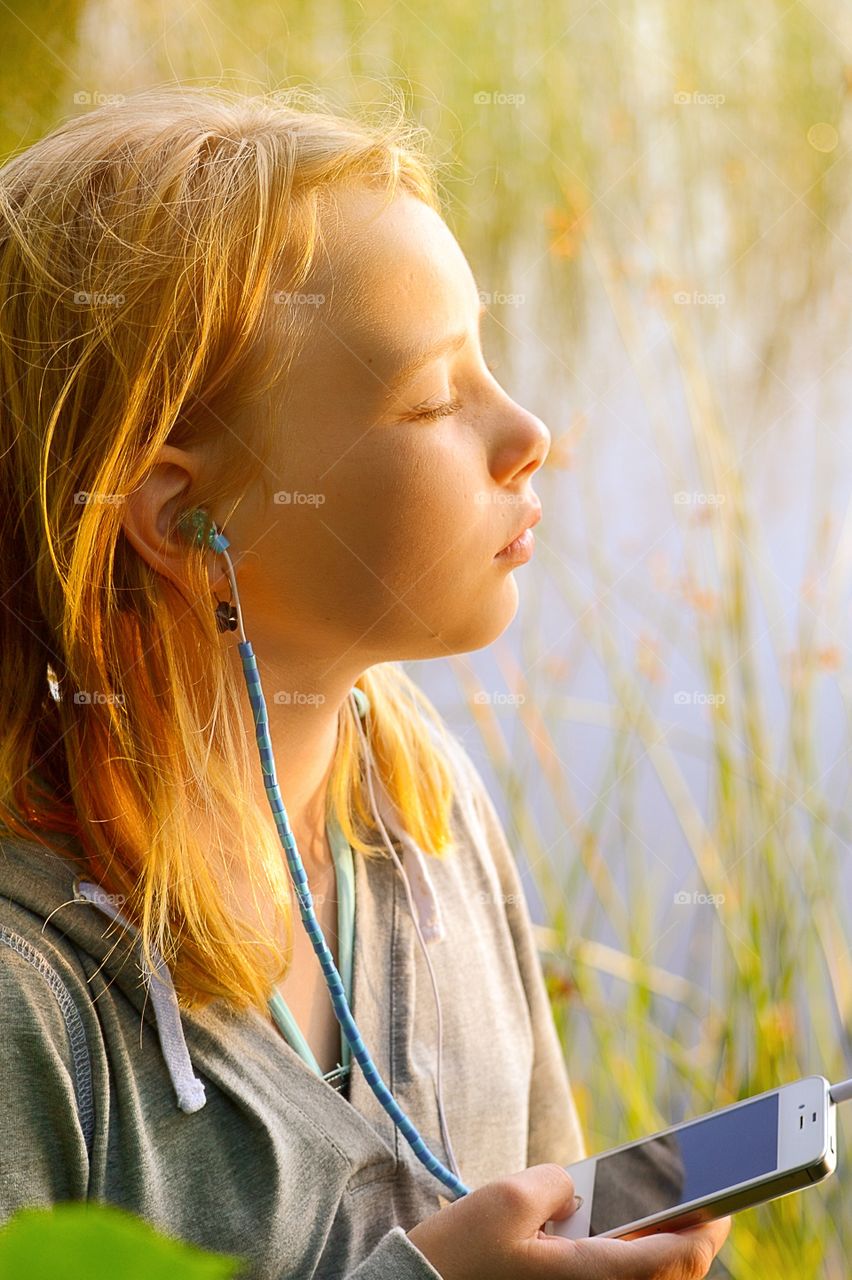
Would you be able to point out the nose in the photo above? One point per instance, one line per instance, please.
(527, 444)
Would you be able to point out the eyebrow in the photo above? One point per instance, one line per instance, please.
(421, 355)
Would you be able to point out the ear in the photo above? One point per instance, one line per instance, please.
(153, 508)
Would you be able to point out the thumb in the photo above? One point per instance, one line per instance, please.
(548, 1193)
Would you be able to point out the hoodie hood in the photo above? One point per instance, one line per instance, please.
(90, 918)
(52, 889)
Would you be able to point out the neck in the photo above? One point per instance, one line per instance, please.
(303, 712)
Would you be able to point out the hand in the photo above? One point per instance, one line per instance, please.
(496, 1233)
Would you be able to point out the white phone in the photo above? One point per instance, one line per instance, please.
(754, 1150)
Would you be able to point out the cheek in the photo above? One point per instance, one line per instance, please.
(416, 524)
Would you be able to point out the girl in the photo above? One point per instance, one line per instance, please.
(242, 387)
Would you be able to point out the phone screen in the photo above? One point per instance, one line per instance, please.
(701, 1158)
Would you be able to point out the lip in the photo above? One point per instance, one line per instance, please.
(519, 551)
(523, 542)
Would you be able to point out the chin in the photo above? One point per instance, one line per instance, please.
(482, 621)
(483, 624)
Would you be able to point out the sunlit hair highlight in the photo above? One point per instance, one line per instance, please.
(141, 247)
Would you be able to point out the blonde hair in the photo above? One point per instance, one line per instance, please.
(139, 248)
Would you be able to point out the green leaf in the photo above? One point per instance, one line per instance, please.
(93, 1241)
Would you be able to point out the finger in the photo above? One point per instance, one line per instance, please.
(719, 1229)
(685, 1255)
(532, 1197)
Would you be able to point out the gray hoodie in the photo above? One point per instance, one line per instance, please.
(210, 1126)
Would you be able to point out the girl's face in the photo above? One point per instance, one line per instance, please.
(380, 544)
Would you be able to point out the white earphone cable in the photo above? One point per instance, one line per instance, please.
(423, 946)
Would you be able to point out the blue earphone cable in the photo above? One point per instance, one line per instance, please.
(218, 542)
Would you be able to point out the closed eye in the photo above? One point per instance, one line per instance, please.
(448, 407)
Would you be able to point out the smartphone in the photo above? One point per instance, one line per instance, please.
(763, 1147)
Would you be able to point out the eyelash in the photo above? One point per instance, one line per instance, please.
(450, 406)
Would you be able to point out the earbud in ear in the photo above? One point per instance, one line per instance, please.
(192, 525)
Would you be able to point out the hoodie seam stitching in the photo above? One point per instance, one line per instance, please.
(74, 1028)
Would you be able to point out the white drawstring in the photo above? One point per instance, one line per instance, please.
(189, 1090)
